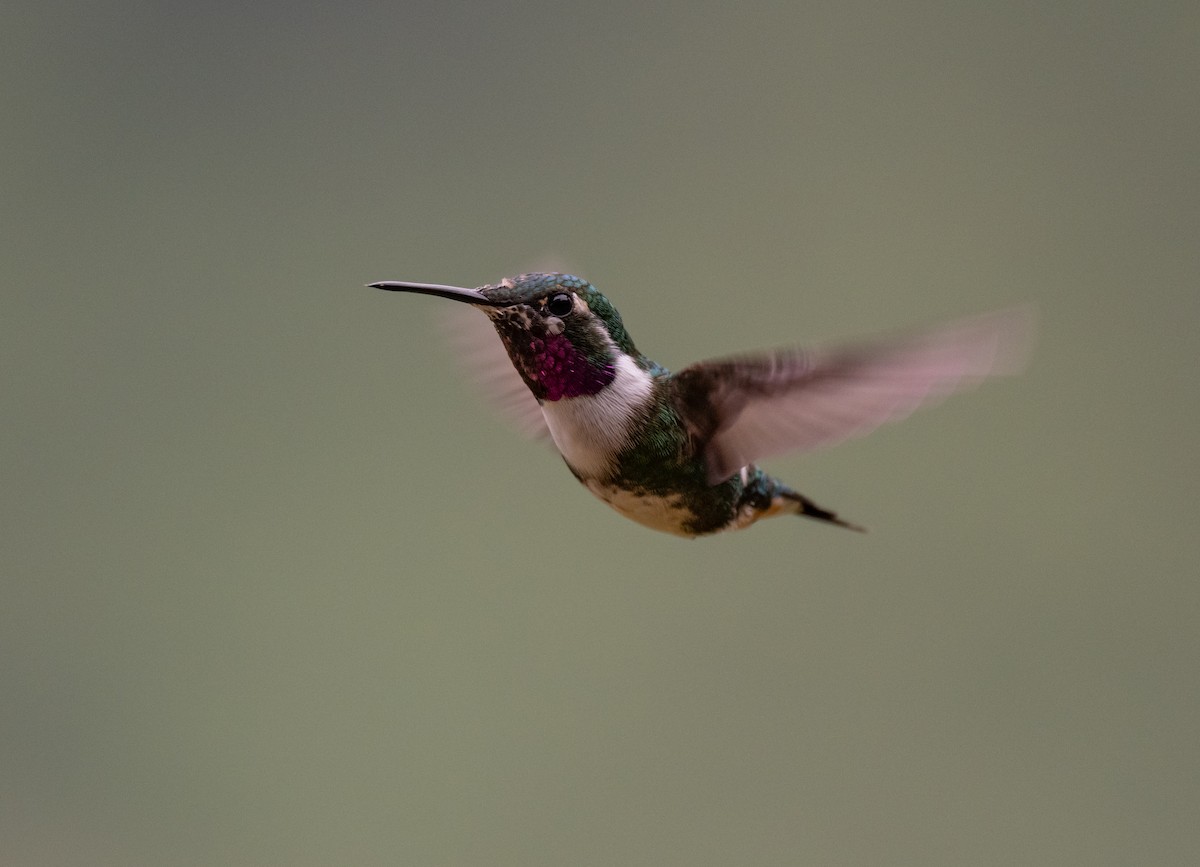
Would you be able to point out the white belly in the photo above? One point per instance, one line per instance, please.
(667, 514)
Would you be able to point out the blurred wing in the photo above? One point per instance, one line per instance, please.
(480, 351)
(757, 406)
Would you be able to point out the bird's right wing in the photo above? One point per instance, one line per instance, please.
(742, 409)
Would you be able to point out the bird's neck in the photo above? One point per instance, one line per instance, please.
(592, 429)
(562, 371)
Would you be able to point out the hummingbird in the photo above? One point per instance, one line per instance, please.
(677, 452)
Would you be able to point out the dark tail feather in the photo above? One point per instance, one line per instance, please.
(806, 507)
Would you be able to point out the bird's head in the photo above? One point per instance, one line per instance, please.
(561, 334)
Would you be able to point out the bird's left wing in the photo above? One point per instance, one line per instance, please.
(480, 350)
(742, 409)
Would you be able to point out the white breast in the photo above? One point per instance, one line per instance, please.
(591, 430)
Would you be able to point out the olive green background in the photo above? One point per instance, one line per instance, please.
(278, 588)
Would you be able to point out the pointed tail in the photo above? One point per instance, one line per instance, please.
(796, 502)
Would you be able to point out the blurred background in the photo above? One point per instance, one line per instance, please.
(277, 588)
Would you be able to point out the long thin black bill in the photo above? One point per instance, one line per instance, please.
(455, 293)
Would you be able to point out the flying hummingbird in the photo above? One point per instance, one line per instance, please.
(676, 451)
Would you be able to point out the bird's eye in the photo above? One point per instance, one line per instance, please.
(560, 305)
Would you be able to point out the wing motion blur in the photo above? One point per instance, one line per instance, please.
(745, 408)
